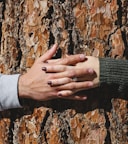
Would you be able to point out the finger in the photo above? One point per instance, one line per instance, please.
(51, 61)
(76, 97)
(70, 71)
(49, 54)
(65, 93)
(69, 95)
(77, 86)
(57, 60)
(60, 81)
(70, 60)
(56, 68)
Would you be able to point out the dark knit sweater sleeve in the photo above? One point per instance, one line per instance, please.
(114, 72)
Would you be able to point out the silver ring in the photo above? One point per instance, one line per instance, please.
(74, 79)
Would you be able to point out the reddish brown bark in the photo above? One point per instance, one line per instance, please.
(98, 28)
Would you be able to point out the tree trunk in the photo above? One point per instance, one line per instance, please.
(92, 27)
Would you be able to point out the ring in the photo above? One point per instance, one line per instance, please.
(74, 79)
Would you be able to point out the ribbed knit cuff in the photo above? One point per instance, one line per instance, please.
(114, 72)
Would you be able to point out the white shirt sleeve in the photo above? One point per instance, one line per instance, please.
(9, 92)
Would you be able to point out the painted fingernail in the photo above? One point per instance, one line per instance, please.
(59, 95)
(49, 83)
(91, 71)
(44, 68)
(46, 61)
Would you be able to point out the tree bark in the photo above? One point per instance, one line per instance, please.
(99, 28)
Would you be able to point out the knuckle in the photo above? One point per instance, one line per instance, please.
(73, 86)
(69, 80)
(55, 94)
(67, 93)
(72, 73)
(85, 71)
(62, 68)
(65, 61)
(51, 67)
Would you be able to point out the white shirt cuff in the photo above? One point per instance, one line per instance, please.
(9, 92)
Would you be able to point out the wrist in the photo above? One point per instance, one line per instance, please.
(97, 71)
(22, 87)
(23, 91)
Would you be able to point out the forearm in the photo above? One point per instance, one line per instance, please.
(9, 92)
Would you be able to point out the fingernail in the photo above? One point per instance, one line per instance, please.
(46, 61)
(84, 98)
(56, 44)
(90, 84)
(83, 57)
(59, 95)
(91, 71)
(49, 83)
(44, 68)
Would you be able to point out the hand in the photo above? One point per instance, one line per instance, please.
(92, 74)
(91, 63)
(34, 84)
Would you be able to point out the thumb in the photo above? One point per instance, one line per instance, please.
(49, 54)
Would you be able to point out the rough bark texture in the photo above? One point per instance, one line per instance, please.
(94, 27)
